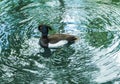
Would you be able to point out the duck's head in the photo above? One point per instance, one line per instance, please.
(44, 29)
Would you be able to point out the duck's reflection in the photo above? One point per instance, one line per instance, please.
(47, 52)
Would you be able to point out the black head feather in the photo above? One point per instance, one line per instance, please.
(44, 29)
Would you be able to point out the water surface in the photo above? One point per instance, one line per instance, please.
(93, 59)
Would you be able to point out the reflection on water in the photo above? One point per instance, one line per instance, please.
(99, 39)
(93, 59)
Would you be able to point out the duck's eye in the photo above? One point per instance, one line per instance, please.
(40, 28)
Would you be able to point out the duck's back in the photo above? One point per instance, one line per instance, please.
(59, 37)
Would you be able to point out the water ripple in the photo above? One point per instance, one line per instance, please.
(93, 59)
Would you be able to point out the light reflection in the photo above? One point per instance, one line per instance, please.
(76, 64)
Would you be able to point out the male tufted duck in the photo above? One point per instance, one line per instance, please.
(55, 40)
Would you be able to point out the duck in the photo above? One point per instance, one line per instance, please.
(54, 40)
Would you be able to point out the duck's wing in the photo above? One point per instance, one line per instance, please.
(59, 37)
(59, 40)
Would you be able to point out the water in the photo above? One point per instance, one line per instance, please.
(93, 59)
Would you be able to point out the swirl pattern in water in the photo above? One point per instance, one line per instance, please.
(93, 59)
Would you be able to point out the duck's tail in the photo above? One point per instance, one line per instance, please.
(72, 39)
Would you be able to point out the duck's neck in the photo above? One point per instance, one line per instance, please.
(45, 39)
(44, 36)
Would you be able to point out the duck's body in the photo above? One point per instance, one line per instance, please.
(54, 41)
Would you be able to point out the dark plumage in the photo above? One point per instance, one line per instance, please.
(55, 40)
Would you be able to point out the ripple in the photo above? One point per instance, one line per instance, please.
(93, 59)
(106, 61)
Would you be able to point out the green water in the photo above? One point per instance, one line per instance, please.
(93, 59)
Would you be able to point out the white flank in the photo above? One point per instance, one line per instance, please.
(58, 44)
